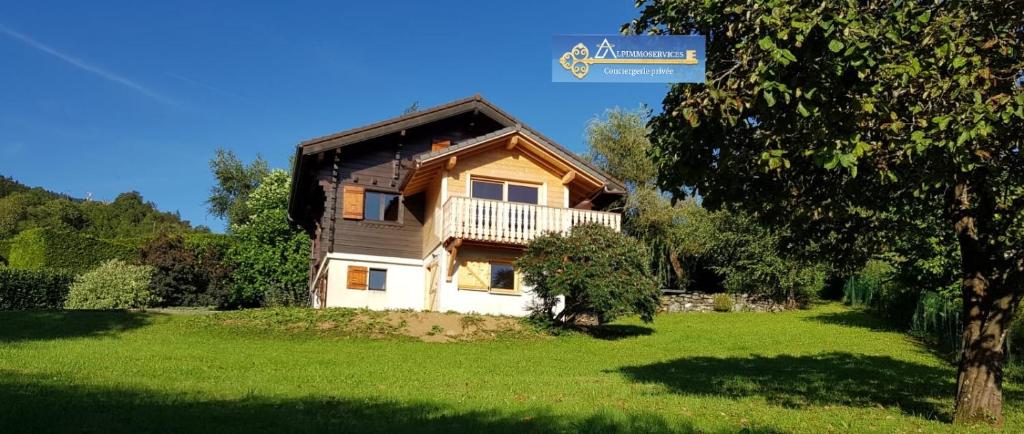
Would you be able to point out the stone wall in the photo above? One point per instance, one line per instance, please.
(689, 301)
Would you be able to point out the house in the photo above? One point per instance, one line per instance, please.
(429, 210)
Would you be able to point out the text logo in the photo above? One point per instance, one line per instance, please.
(625, 59)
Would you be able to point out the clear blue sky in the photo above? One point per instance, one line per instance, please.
(106, 97)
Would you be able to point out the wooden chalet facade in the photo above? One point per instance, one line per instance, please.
(428, 210)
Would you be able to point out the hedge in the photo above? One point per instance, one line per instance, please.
(30, 289)
(5, 251)
(43, 248)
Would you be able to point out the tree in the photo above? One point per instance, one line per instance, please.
(856, 123)
(235, 181)
(188, 271)
(595, 271)
(618, 144)
(270, 256)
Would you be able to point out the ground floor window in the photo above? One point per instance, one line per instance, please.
(378, 279)
(488, 275)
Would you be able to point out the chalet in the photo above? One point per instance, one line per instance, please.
(429, 210)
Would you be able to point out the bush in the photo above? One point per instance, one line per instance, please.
(599, 273)
(30, 289)
(723, 303)
(188, 270)
(5, 251)
(113, 285)
(40, 248)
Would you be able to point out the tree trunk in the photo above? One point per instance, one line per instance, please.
(988, 306)
(677, 268)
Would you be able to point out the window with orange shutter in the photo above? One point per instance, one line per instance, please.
(357, 277)
(352, 202)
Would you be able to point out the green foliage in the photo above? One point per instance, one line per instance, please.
(31, 289)
(40, 248)
(235, 182)
(115, 284)
(862, 288)
(188, 271)
(5, 251)
(270, 257)
(128, 216)
(600, 273)
(722, 303)
(937, 318)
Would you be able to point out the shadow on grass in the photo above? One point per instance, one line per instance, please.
(835, 378)
(613, 332)
(37, 325)
(858, 319)
(30, 403)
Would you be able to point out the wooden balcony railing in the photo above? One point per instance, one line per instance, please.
(513, 223)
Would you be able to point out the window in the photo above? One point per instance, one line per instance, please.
(494, 276)
(503, 276)
(488, 190)
(378, 279)
(380, 206)
(506, 191)
(522, 194)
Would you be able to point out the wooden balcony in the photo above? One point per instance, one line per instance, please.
(513, 223)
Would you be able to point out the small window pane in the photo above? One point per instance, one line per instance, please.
(380, 206)
(378, 279)
(371, 206)
(503, 276)
(522, 194)
(487, 190)
(391, 207)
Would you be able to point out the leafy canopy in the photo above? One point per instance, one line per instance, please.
(599, 273)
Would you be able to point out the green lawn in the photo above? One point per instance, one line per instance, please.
(828, 369)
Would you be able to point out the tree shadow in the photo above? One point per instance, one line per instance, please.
(834, 378)
(614, 332)
(37, 325)
(30, 403)
(857, 319)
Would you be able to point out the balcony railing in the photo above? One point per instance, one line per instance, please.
(514, 223)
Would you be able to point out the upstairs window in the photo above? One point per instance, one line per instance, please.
(505, 191)
(378, 206)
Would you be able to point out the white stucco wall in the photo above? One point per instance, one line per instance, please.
(451, 298)
(404, 288)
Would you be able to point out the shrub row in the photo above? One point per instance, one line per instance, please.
(44, 248)
(33, 289)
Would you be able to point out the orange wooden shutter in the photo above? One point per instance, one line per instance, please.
(352, 202)
(357, 277)
(440, 144)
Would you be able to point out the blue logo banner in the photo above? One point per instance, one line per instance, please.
(627, 59)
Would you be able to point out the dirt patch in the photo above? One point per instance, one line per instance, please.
(447, 327)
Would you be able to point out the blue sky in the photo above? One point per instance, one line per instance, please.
(104, 97)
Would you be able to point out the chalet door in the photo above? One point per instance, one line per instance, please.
(511, 219)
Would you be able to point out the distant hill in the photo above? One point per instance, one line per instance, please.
(127, 217)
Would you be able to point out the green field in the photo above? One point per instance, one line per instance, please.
(827, 369)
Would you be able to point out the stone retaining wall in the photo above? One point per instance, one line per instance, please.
(688, 301)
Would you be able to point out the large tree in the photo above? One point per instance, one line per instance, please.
(864, 120)
(235, 182)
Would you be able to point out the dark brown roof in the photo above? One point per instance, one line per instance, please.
(433, 114)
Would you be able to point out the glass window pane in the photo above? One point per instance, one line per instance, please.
(522, 194)
(503, 276)
(391, 207)
(378, 279)
(371, 206)
(487, 190)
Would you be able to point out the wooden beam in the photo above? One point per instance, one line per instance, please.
(569, 177)
(451, 162)
(453, 252)
(512, 143)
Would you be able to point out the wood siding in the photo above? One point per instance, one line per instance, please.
(506, 165)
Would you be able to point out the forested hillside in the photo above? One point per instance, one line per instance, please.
(127, 220)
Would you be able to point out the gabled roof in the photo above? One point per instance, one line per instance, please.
(614, 185)
(430, 115)
(406, 121)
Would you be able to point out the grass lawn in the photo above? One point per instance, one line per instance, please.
(828, 369)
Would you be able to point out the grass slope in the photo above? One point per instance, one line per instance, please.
(828, 369)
